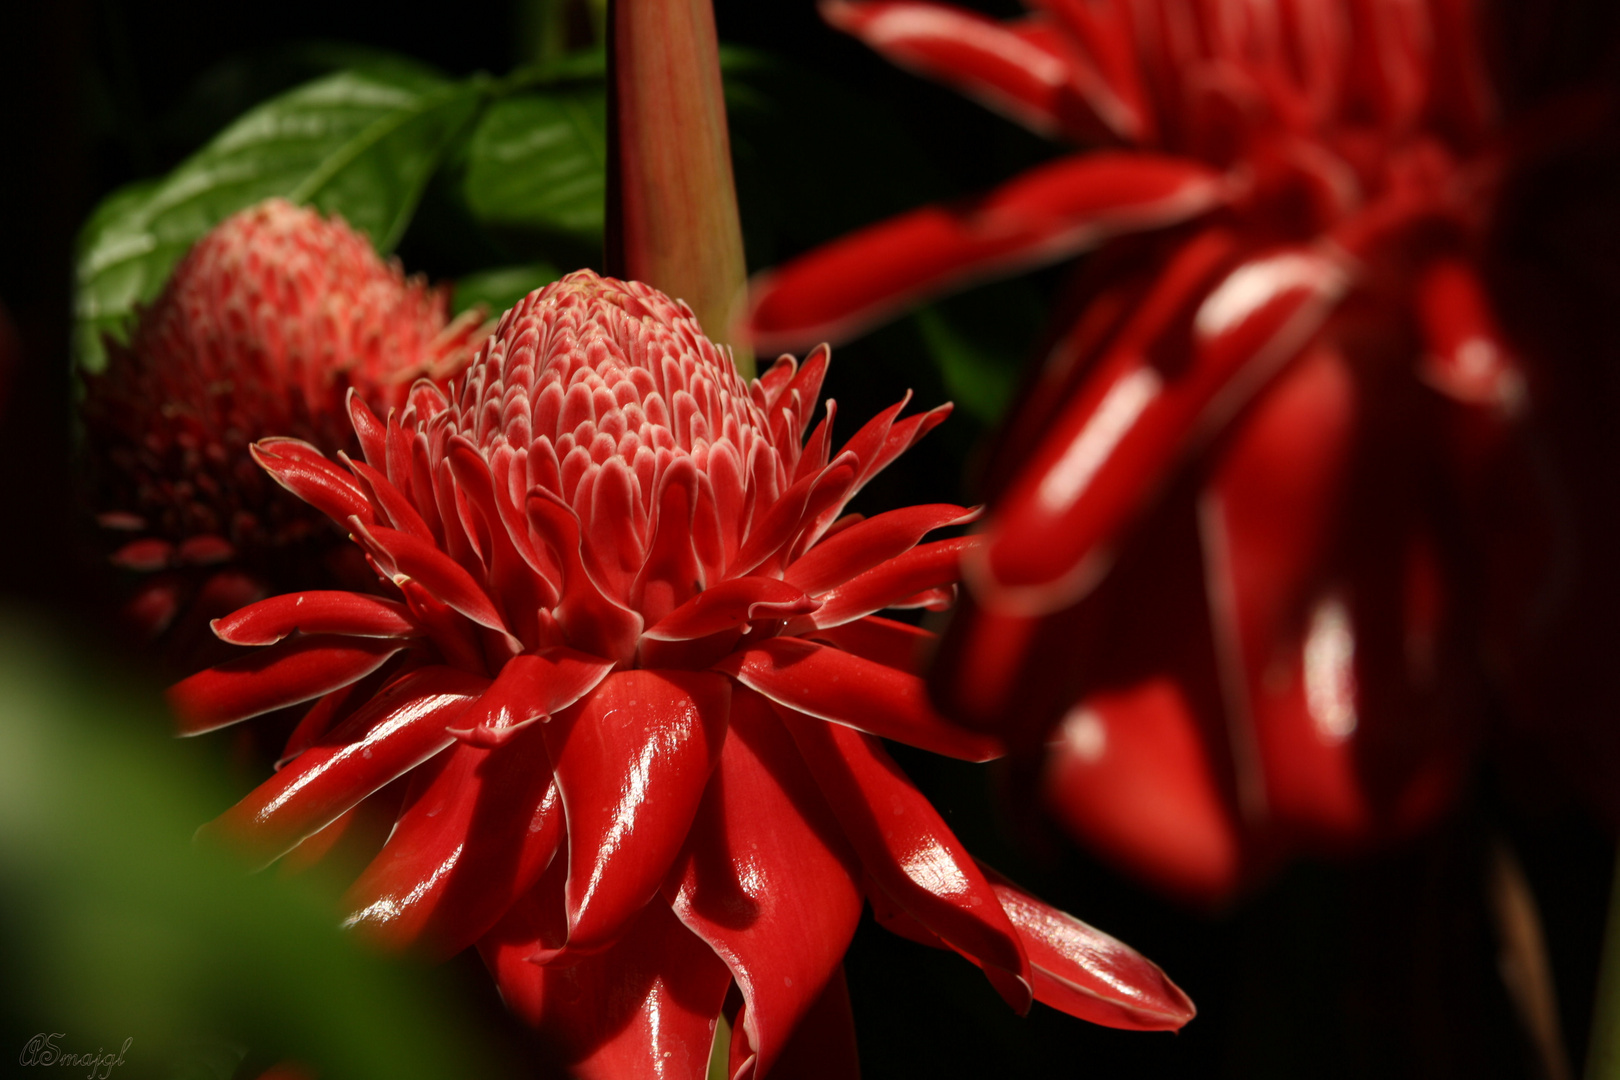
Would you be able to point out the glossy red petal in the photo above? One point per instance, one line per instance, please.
(396, 731)
(644, 1008)
(910, 852)
(531, 688)
(924, 567)
(729, 605)
(1467, 355)
(1015, 74)
(594, 622)
(345, 613)
(305, 471)
(283, 674)
(868, 543)
(893, 644)
(471, 843)
(1087, 973)
(1049, 213)
(767, 879)
(412, 557)
(822, 1046)
(847, 689)
(1156, 394)
(632, 761)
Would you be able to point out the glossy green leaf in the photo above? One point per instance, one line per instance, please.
(536, 163)
(359, 144)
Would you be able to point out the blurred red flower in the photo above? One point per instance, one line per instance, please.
(262, 329)
(1280, 509)
(626, 707)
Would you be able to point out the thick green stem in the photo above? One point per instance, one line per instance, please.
(672, 205)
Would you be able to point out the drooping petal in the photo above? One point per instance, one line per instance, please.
(767, 879)
(731, 604)
(1087, 973)
(822, 1046)
(531, 688)
(893, 644)
(474, 840)
(396, 731)
(924, 567)
(283, 674)
(907, 848)
(847, 689)
(645, 1008)
(345, 613)
(632, 761)
(412, 557)
(1049, 213)
(1154, 395)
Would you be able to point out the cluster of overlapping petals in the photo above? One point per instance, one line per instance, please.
(627, 701)
(262, 329)
(1234, 554)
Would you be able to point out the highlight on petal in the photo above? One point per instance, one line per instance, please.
(1087, 973)
(305, 471)
(531, 688)
(729, 605)
(396, 731)
(632, 760)
(286, 673)
(1049, 213)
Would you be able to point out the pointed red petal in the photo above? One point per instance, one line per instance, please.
(766, 878)
(909, 850)
(645, 1007)
(1049, 213)
(926, 566)
(305, 471)
(731, 604)
(412, 557)
(401, 727)
(472, 842)
(883, 641)
(532, 687)
(1467, 355)
(865, 544)
(284, 674)
(632, 760)
(595, 623)
(1087, 973)
(346, 613)
(1108, 453)
(846, 689)
(1017, 74)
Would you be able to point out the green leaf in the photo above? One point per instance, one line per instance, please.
(359, 144)
(536, 164)
(980, 342)
(500, 288)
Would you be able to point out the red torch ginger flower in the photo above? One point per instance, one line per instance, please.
(633, 685)
(263, 329)
(1278, 644)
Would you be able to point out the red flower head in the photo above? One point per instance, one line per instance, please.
(263, 328)
(632, 686)
(1276, 644)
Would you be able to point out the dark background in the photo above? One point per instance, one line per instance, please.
(1384, 969)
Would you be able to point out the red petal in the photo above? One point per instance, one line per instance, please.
(476, 839)
(595, 622)
(144, 555)
(1467, 355)
(632, 760)
(1049, 213)
(415, 558)
(346, 613)
(910, 852)
(305, 471)
(1088, 974)
(924, 567)
(531, 687)
(865, 544)
(893, 644)
(847, 689)
(731, 604)
(1108, 453)
(766, 878)
(644, 1008)
(401, 727)
(1015, 74)
(822, 1046)
(282, 675)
